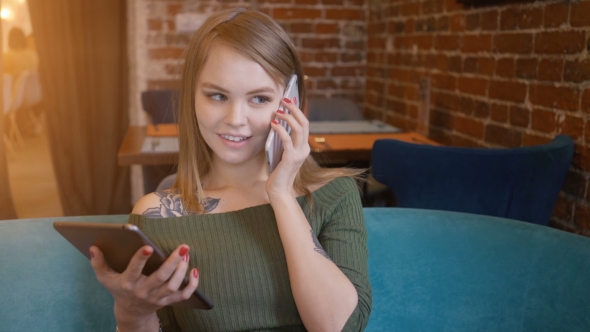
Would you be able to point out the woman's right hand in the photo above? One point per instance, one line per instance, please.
(137, 297)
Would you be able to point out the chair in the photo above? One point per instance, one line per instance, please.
(518, 183)
(333, 109)
(161, 105)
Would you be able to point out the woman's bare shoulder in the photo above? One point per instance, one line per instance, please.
(161, 204)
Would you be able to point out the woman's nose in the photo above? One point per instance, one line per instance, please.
(236, 114)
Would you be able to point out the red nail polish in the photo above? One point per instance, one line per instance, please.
(275, 121)
(281, 111)
(146, 251)
(294, 100)
(91, 254)
(183, 251)
(286, 100)
(195, 273)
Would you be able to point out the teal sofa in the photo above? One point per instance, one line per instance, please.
(430, 271)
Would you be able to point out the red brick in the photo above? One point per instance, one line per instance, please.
(306, 56)
(505, 67)
(472, 21)
(351, 57)
(442, 62)
(587, 138)
(502, 136)
(520, 117)
(469, 126)
(296, 13)
(481, 109)
(470, 65)
(526, 68)
(556, 15)
(307, 2)
(171, 24)
(446, 101)
(325, 84)
(432, 6)
(347, 71)
(423, 42)
(166, 53)
(457, 23)
(442, 23)
(396, 90)
(326, 28)
(172, 10)
(173, 69)
(575, 184)
(509, 91)
(300, 28)
(326, 57)
(355, 45)
(582, 217)
(345, 14)
(565, 42)
(577, 71)
(411, 92)
(543, 121)
(489, 20)
(551, 69)
(155, 24)
(565, 98)
(586, 101)
(445, 82)
(426, 25)
(530, 18)
(520, 43)
(409, 26)
(320, 43)
(446, 42)
(453, 5)
(579, 14)
(486, 66)
(476, 43)
(509, 18)
(572, 126)
(474, 86)
(456, 64)
(410, 8)
(404, 75)
(376, 42)
(564, 208)
(499, 113)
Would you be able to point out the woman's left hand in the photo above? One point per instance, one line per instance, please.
(296, 150)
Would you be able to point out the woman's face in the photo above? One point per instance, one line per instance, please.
(235, 101)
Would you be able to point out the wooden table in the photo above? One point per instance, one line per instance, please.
(326, 148)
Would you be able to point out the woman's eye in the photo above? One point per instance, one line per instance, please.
(260, 100)
(217, 96)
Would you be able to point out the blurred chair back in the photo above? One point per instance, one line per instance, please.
(161, 105)
(518, 183)
(333, 109)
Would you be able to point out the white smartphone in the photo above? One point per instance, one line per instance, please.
(274, 145)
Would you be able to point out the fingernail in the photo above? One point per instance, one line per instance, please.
(286, 100)
(91, 253)
(185, 258)
(146, 251)
(275, 121)
(281, 111)
(294, 100)
(183, 251)
(195, 273)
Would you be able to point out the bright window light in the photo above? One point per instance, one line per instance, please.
(6, 13)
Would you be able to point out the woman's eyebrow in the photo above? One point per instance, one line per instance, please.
(217, 87)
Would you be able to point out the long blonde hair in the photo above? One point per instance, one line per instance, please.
(259, 38)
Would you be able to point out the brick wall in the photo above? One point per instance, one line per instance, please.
(329, 35)
(502, 76)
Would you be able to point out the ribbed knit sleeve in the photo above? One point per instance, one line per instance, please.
(344, 238)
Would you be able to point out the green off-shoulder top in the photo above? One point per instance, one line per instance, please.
(242, 266)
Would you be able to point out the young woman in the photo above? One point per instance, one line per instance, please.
(279, 252)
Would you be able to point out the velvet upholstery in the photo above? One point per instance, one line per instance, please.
(516, 183)
(450, 271)
(430, 271)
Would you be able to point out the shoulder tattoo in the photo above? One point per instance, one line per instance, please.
(171, 205)
(318, 247)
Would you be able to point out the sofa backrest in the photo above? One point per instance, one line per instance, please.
(449, 271)
(430, 271)
(46, 284)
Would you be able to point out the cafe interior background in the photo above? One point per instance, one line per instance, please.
(501, 74)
